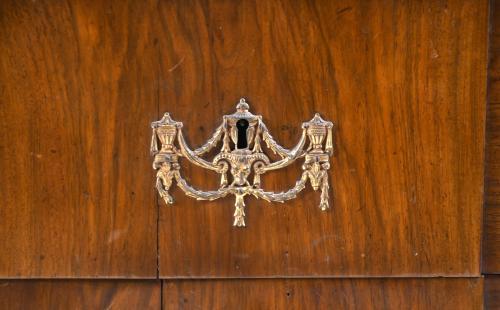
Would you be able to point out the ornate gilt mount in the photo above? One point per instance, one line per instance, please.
(241, 158)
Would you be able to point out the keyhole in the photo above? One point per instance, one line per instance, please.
(242, 126)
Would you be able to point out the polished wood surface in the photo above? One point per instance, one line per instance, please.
(405, 84)
(491, 232)
(460, 293)
(492, 292)
(79, 294)
(492, 163)
(453, 294)
(491, 242)
(78, 89)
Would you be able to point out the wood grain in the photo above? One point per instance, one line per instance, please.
(491, 242)
(492, 292)
(80, 294)
(78, 89)
(492, 173)
(81, 80)
(460, 293)
(491, 232)
(405, 83)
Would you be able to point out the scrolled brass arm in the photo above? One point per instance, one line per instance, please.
(199, 194)
(212, 142)
(191, 156)
(281, 196)
(272, 144)
(290, 156)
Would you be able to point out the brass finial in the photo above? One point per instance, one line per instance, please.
(242, 106)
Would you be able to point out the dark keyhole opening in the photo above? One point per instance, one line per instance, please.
(242, 126)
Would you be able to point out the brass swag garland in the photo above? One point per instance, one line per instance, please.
(241, 154)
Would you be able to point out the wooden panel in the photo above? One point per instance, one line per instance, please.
(80, 294)
(460, 293)
(78, 90)
(492, 174)
(404, 81)
(492, 292)
(491, 243)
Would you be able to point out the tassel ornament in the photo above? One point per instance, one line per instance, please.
(329, 141)
(154, 143)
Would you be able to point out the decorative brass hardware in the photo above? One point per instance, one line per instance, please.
(238, 132)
